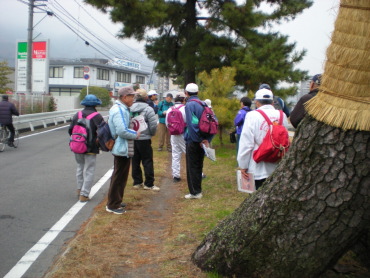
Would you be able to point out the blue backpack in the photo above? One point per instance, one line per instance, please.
(104, 139)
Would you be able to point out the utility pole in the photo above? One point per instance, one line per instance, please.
(29, 47)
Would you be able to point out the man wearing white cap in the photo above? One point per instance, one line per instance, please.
(194, 140)
(153, 100)
(254, 130)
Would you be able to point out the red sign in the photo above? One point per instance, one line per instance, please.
(86, 69)
(39, 50)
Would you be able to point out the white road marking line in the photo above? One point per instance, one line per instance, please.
(30, 257)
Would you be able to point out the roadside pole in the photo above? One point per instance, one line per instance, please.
(87, 78)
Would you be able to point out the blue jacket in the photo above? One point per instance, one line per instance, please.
(193, 112)
(120, 128)
(239, 119)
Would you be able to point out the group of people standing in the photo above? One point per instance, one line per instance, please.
(135, 147)
(251, 127)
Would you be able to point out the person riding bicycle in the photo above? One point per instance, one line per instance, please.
(7, 109)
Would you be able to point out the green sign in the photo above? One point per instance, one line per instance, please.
(22, 50)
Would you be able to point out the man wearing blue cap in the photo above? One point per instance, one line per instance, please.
(86, 162)
(299, 111)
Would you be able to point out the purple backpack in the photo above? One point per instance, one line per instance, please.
(175, 121)
(80, 133)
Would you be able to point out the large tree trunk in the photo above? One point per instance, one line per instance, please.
(189, 50)
(312, 209)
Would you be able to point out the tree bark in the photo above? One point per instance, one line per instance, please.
(313, 208)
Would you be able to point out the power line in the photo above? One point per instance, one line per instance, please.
(90, 39)
(107, 47)
(114, 36)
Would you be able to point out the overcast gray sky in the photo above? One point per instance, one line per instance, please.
(310, 30)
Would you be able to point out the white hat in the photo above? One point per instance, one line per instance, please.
(180, 94)
(208, 102)
(192, 88)
(152, 92)
(264, 94)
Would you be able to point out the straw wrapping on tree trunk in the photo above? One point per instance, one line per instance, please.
(344, 97)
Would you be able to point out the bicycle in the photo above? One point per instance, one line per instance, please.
(4, 137)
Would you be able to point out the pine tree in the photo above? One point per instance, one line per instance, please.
(231, 34)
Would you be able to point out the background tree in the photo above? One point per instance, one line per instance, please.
(218, 86)
(5, 70)
(231, 34)
(52, 105)
(101, 93)
(316, 205)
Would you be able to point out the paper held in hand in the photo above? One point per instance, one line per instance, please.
(210, 153)
(138, 123)
(245, 184)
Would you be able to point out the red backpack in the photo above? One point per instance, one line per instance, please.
(208, 123)
(175, 121)
(276, 142)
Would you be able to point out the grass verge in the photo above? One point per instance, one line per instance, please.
(107, 245)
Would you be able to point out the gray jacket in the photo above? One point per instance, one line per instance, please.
(142, 107)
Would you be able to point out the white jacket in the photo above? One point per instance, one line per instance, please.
(254, 130)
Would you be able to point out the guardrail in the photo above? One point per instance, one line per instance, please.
(30, 121)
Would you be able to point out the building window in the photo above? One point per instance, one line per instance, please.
(140, 79)
(78, 72)
(123, 77)
(56, 72)
(103, 74)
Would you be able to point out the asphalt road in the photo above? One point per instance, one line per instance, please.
(38, 187)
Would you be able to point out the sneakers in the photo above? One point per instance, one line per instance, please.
(123, 205)
(154, 188)
(138, 186)
(83, 199)
(176, 179)
(191, 196)
(115, 211)
(203, 176)
(160, 149)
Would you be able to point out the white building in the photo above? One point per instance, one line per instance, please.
(68, 77)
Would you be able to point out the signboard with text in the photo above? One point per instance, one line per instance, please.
(40, 67)
(126, 63)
